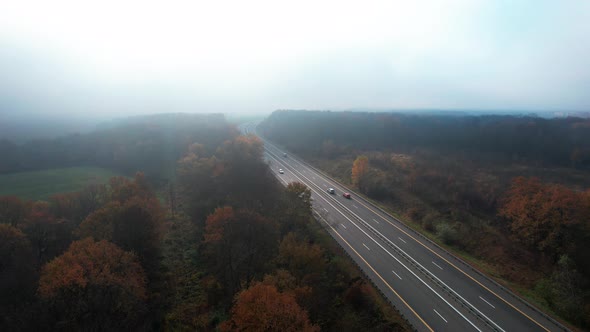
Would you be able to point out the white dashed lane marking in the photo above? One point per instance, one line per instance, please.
(439, 315)
(487, 302)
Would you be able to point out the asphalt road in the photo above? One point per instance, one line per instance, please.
(434, 290)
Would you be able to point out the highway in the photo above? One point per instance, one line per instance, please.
(433, 289)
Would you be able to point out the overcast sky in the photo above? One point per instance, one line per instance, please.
(131, 57)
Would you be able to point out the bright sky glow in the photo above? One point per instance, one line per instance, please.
(243, 56)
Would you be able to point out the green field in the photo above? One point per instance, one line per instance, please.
(39, 185)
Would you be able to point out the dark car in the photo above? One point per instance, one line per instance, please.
(346, 195)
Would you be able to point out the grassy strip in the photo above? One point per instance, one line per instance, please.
(40, 185)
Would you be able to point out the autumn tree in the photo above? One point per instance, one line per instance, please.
(122, 189)
(285, 282)
(49, 236)
(65, 205)
(543, 216)
(132, 219)
(100, 223)
(282, 279)
(199, 183)
(263, 308)
(17, 266)
(358, 295)
(135, 225)
(300, 257)
(75, 206)
(94, 286)
(239, 245)
(12, 210)
(360, 167)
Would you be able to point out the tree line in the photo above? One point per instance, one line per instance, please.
(559, 141)
(223, 247)
(150, 144)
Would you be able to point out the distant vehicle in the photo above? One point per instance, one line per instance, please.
(346, 195)
(331, 190)
(281, 171)
(284, 155)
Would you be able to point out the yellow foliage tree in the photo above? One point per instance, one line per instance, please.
(360, 167)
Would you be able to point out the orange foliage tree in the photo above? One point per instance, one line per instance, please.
(132, 220)
(122, 189)
(100, 223)
(94, 286)
(543, 216)
(263, 308)
(134, 225)
(360, 167)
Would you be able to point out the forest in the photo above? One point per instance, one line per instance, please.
(197, 235)
(509, 194)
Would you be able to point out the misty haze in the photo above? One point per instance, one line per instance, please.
(304, 166)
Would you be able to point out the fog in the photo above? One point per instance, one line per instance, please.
(113, 58)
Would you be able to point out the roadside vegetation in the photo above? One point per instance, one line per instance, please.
(196, 234)
(509, 194)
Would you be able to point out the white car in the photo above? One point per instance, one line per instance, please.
(281, 171)
(331, 190)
